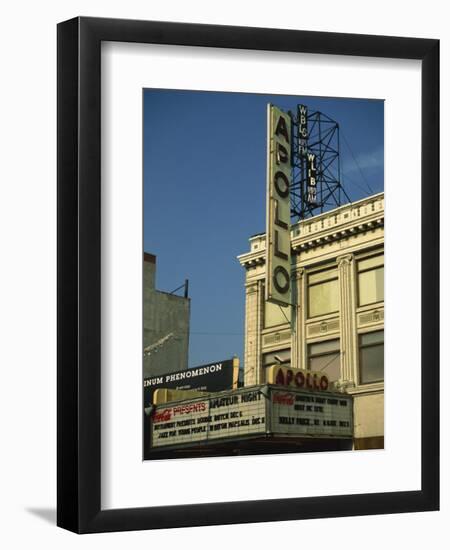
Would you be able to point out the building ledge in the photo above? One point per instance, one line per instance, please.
(377, 387)
(335, 225)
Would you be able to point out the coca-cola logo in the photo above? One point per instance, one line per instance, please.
(283, 398)
(162, 416)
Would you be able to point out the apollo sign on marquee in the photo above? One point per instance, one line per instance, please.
(278, 232)
(298, 378)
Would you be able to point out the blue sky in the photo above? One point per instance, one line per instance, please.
(204, 194)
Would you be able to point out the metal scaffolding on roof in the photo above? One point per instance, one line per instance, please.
(316, 184)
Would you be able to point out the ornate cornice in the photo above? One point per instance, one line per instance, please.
(334, 226)
(299, 245)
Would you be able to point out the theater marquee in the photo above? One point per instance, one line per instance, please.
(227, 415)
(260, 412)
(311, 414)
(279, 180)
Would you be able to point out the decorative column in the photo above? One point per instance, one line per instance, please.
(347, 321)
(254, 301)
(298, 320)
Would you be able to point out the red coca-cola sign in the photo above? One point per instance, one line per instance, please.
(162, 416)
(283, 398)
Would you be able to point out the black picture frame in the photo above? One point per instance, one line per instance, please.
(79, 275)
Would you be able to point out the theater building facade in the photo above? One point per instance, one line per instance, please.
(335, 322)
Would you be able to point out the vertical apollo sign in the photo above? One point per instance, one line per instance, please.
(278, 231)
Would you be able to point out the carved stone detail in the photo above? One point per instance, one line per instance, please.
(348, 317)
(344, 260)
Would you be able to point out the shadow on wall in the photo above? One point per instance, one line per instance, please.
(46, 514)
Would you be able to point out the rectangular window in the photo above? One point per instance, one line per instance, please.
(371, 357)
(279, 357)
(275, 315)
(326, 357)
(371, 280)
(323, 293)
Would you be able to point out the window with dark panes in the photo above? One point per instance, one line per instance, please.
(371, 357)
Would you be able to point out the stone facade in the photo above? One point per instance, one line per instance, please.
(334, 247)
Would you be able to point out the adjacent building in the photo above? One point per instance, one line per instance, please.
(166, 325)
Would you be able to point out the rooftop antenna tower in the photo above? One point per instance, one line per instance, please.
(316, 179)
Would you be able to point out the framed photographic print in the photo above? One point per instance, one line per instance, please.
(248, 304)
